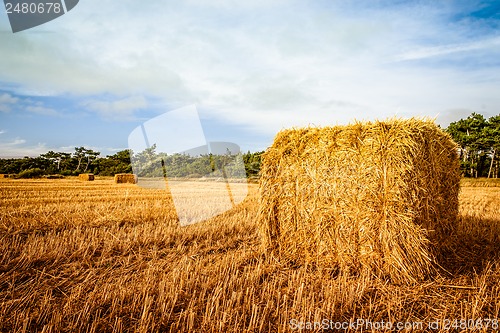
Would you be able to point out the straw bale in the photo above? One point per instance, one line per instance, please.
(373, 197)
(55, 177)
(86, 176)
(3, 175)
(121, 178)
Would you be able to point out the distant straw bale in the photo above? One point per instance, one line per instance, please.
(121, 178)
(86, 176)
(55, 177)
(3, 175)
(372, 197)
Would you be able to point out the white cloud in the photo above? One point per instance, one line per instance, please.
(235, 4)
(26, 104)
(42, 110)
(18, 148)
(121, 109)
(7, 99)
(21, 147)
(6, 102)
(428, 52)
(264, 66)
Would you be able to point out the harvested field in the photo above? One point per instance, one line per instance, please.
(79, 257)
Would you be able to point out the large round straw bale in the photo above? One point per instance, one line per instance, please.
(3, 175)
(86, 176)
(369, 197)
(121, 178)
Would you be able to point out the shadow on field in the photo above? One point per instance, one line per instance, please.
(475, 243)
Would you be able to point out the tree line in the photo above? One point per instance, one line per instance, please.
(478, 142)
(149, 163)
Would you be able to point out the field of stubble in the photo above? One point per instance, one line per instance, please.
(103, 257)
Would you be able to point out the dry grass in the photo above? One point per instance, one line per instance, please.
(480, 182)
(94, 257)
(369, 198)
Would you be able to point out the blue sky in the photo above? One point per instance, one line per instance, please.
(91, 76)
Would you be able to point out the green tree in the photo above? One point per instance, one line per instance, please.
(91, 156)
(492, 139)
(82, 154)
(478, 141)
(79, 155)
(113, 164)
(252, 163)
(55, 159)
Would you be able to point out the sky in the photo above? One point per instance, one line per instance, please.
(251, 68)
